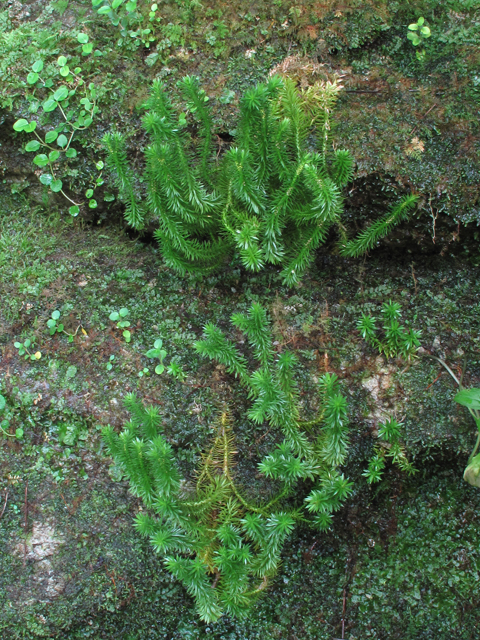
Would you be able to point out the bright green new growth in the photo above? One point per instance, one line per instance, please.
(389, 446)
(117, 316)
(271, 198)
(222, 544)
(77, 115)
(396, 340)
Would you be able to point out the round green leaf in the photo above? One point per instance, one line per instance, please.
(62, 61)
(87, 48)
(51, 323)
(17, 345)
(109, 197)
(100, 165)
(46, 179)
(425, 31)
(82, 38)
(20, 124)
(420, 21)
(116, 3)
(71, 153)
(27, 343)
(19, 433)
(123, 312)
(92, 204)
(61, 94)
(127, 335)
(31, 126)
(62, 141)
(33, 145)
(53, 156)
(56, 314)
(51, 136)
(413, 27)
(113, 316)
(32, 77)
(56, 186)
(104, 10)
(158, 343)
(74, 210)
(64, 71)
(37, 66)
(49, 105)
(89, 193)
(159, 369)
(41, 160)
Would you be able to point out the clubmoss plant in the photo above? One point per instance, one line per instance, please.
(389, 446)
(396, 339)
(273, 197)
(223, 544)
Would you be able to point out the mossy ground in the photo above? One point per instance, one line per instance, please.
(388, 546)
(405, 552)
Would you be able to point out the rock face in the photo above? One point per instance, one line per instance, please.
(39, 550)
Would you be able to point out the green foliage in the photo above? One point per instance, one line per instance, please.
(224, 546)
(389, 446)
(157, 352)
(24, 350)
(469, 398)
(54, 326)
(75, 101)
(396, 339)
(116, 316)
(5, 423)
(418, 32)
(271, 198)
(135, 27)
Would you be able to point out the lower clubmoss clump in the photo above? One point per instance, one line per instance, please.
(224, 546)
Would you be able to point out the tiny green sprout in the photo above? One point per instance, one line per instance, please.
(53, 325)
(418, 32)
(143, 372)
(110, 364)
(157, 352)
(24, 350)
(116, 316)
(176, 371)
(390, 430)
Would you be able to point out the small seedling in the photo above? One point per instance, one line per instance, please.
(157, 352)
(389, 446)
(4, 424)
(116, 316)
(110, 364)
(176, 371)
(397, 340)
(418, 32)
(54, 326)
(143, 372)
(24, 349)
